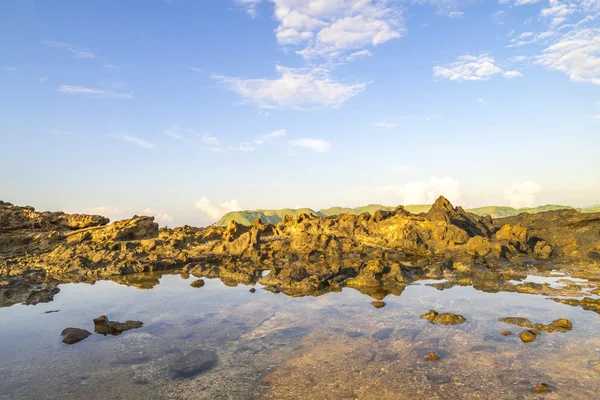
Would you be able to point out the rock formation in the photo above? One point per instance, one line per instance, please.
(305, 255)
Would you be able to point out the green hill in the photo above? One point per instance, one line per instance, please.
(275, 216)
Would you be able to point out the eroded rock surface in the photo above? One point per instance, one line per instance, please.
(305, 255)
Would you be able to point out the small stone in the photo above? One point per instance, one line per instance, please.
(542, 388)
(252, 290)
(378, 304)
(562, 323)
(101, 321)
(506, 333)
(432, 356)
(528, 336)
(198, 283)
(103, 326)
(74, 335)
(51, 311)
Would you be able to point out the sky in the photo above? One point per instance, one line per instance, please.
(188, 109)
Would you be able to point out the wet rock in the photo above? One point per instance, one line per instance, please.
(542, 388)
(51, 311)
(528, 336)
(559, 325)
(194, 363)
(74, 335)
(378, 304)
(197, 283)
(443, 319)
(587, 303)
(252, 290)
(104, 326)
(506, 333)
(432, 356)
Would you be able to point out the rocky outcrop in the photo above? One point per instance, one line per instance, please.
(559, 325)
(443, 319)
(104, 326)
(307, 254)
(15, 218)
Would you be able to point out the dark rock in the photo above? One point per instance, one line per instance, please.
(197, 283)
(51, 311)
(104, 326)
(252, 290)
(74, 335)
(194, 363)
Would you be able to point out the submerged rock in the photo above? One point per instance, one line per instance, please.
(506, 333)
(378, 304)
(194, 363)
(559, 325)
(528, 336)
(443, 319)
(432, 356)
(198, 283)
(542, 388)
(74, 335)
(104, 326)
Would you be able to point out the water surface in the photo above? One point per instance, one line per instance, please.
(268, 345)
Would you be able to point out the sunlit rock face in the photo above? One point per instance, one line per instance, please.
(306, 254)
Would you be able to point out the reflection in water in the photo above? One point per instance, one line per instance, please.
(222, 342)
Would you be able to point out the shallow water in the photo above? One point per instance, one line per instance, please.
(272, 346)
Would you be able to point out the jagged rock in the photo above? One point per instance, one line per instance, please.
(306, 255)
(443, 319)
(74, 335)
(104, 326)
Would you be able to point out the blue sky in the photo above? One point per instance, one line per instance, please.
(187, 109)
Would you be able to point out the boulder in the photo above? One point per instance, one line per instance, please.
(194, 363)
(74, 335)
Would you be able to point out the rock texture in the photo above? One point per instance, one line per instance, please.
(74, 335)
(377, 254)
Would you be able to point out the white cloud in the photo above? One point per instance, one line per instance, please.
(455, 14)
(77, 51)
(594, 117)
(576, 54)
(481, 100)
(331, 28)
(295, 88)
(210, 140)
(216, 211)
(43, 79)
(358, 54)
(111, 66)
(268, 137)
(385, 125)
(112, 213)
(136, 141)
(249, 5)
(426, 192)
(159, 216)
(522, 194)
(174, 132)
(195, 69)
(473, 68)
(95, 92)
(319, 145)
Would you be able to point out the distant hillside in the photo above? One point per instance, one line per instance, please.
(275, 216)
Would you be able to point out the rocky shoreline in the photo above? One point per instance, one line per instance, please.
(377, 254)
